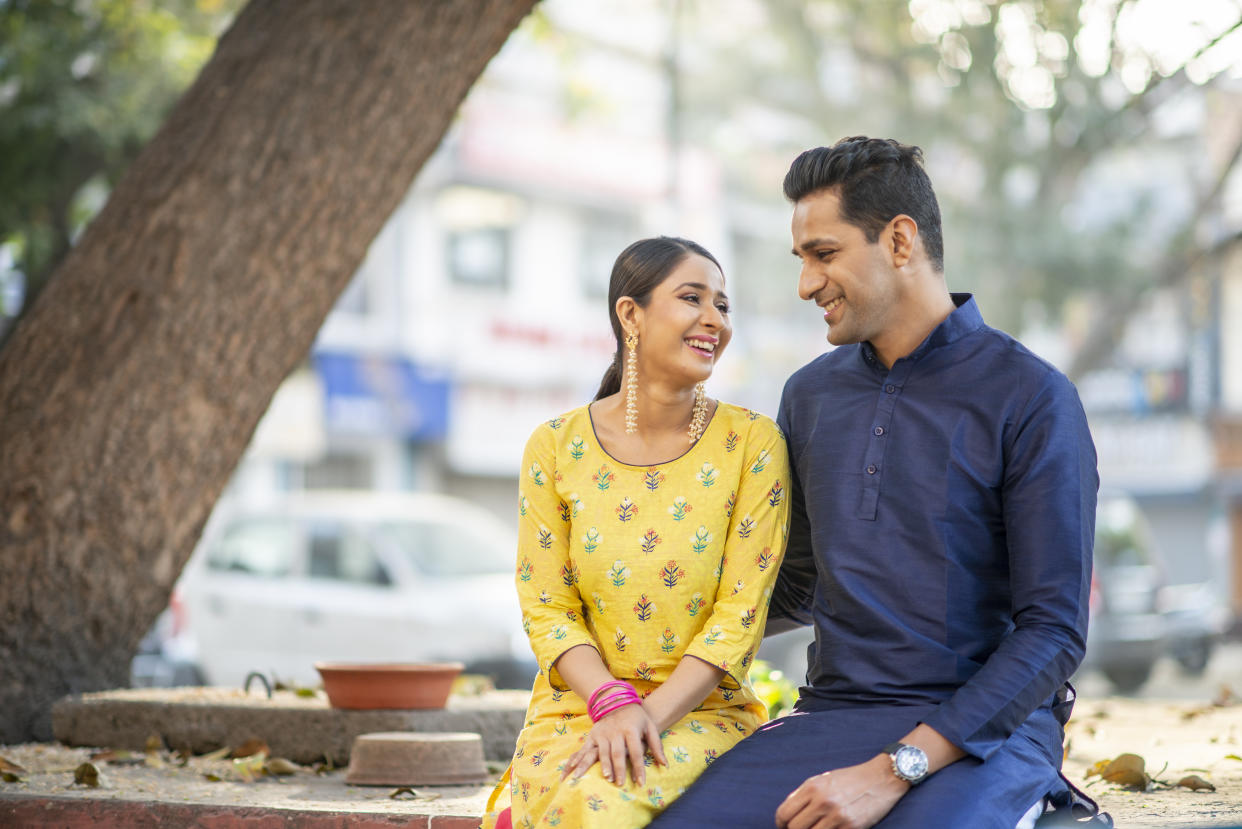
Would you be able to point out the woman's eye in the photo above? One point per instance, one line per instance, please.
(691, 297)
(724, 309)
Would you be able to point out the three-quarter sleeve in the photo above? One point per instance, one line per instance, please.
(751, 557)
(1049, 495)
(547, 577)
(794, 590)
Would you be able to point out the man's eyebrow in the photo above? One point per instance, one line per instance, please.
(699, 286)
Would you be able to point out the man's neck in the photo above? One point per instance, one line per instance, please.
(907, 331)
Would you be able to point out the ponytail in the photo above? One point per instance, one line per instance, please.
(611, 382)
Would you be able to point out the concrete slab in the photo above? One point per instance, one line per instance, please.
(168, 794)
(301, 729)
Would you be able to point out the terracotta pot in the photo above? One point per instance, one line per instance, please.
(388, 684)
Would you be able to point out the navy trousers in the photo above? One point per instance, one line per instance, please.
(743, 788)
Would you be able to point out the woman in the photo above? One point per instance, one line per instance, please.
(652, 525)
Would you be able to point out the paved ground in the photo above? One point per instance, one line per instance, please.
(1172, 724)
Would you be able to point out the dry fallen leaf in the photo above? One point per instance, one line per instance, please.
(218, 754)
(250, 748)
(1124, 770)
(212, 778)
(248, 768)
(86, 775)
(154, 743)
(11, 767)
(279, 765)
(9, 777)
(1194, 782)
(404, 791)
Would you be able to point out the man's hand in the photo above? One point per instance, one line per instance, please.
(856, 797)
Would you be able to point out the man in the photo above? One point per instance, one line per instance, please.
(943, 517)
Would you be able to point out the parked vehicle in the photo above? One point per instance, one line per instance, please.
(354, 577)
(1196, 619)
(1127, 632)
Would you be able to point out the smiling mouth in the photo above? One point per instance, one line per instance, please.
(704, 348)
(829, 307)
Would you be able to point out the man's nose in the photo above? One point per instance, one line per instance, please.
(809, 283)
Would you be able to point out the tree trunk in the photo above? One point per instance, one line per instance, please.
(131, 388)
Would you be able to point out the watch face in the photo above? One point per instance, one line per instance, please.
(910, 762)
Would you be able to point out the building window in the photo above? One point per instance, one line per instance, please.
(604, 235)
(479, 256)
(478, 226)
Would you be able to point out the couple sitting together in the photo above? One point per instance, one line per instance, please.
(925, 499)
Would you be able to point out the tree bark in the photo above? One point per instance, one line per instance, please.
(130, 389)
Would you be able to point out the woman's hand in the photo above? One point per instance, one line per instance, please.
(626, 733)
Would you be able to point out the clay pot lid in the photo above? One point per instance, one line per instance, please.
(403, 758)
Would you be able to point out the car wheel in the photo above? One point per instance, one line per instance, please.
(1194, 656)
(1127, 678)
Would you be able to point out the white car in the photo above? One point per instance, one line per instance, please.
(353, 577)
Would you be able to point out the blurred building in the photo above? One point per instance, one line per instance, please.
(481, 308)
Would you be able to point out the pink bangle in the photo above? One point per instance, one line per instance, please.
(616, 683)
(610, 696)
(596, 716)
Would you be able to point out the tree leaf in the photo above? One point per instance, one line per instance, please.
(9, 777)
(11, 767)
(250, 767)
(86, 775)
(250, 748)
(154, 743)
(404, 793)
(279, 765)
(1127, 770)
(218, 754)
(1194, 782)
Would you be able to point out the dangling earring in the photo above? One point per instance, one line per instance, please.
(698, 419)
(631, 384)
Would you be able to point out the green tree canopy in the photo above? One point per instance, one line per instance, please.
(83, 85)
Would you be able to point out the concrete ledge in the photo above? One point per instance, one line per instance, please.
(301, 729)
(69, 813)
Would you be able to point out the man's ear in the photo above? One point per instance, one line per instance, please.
(628, 313)
(901, 235)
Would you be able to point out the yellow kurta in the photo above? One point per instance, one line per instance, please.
(646, 564)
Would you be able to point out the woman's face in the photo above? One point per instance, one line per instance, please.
(685, 327)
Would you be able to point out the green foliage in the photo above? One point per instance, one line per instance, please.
(773, 688)
(83, 85)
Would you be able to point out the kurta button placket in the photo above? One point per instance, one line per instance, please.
(891, 383)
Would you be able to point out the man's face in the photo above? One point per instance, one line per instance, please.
(844, 274)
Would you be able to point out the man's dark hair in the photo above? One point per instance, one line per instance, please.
(875, 179)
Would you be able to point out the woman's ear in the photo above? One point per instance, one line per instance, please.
(629, 314)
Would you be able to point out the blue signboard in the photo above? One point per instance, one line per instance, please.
(382, 395)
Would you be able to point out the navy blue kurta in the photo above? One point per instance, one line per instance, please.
(943, 521)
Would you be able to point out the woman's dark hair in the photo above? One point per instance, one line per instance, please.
(636, 273)
(876, 179)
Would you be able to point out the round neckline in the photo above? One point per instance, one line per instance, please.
(711, 422)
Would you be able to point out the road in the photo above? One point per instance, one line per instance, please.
(1168, 682)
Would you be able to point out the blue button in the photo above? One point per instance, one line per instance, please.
(871, 469)
(879, 430)
(890, 388)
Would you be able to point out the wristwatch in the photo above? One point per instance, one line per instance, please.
(909, 762)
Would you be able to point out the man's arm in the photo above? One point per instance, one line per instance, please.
(1049, 496)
